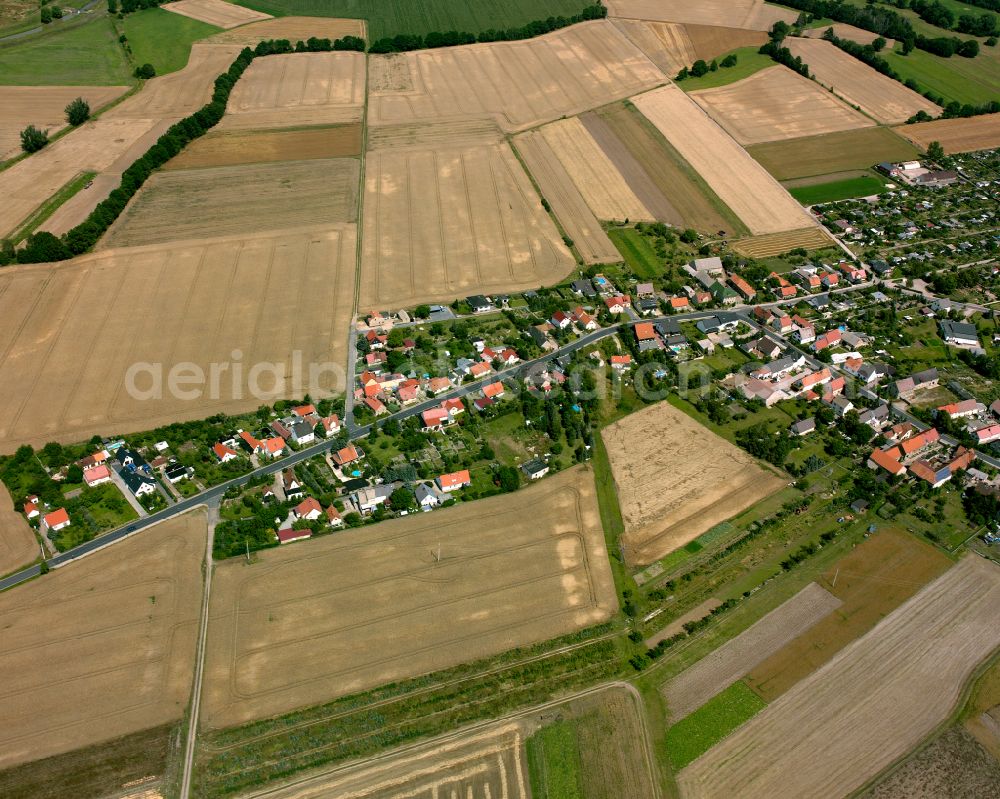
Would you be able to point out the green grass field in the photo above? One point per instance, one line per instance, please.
(694, 735)
(637, 251)
(83, 55)
(748, 62)
(966, 80)
(860, 186)
(389, 17)
(164, 39)
(554, 762)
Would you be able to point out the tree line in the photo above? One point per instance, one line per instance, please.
(406, 42)
(43, 246)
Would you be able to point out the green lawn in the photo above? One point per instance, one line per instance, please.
(748, 62)
(554, 762)
(965, 80)
(389, 17)
(164, 39)
(860, 186)
(694, 735)
(637, 252)
(84, 55)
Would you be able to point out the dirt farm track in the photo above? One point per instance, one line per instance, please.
(104, 647)
(326, 618)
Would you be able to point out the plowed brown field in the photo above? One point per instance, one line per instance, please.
(216, 12)
(238, 200)
(520, 84)
(739, 181)
(676, 479)
(255, 147)
(103, 647)
(331, 617)
(445, 222)
(776, 103)
(43, 107)
(879, 96)
(871, 704)
(69, 332)
(956, 135)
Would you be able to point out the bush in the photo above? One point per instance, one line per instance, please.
(33, 139)
(78, 112)
(145, 72)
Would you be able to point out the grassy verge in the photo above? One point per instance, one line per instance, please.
(164, 39)
(748, 62)
(860, 186)
(694, 735)
(389, 17)
(611, 515)
(357, 726)
(82, 55)
(49, 207)
(965, 80)
(554, 762)
(637, 251)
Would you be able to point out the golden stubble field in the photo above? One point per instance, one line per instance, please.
(103, 647)
(216, 12)
(445, 219)
(676, 479)
(777, 103)
(671, 45)
(69, 332)
(44, 107)
(879, 96)
(310, 622)
(291, 28)
(520, 84)
(298, 89)
(869, 705)
(740, 182)
(17, 540)
(221, 148)
(842, 31)
(956, 135)
(749, 14)
(715, 672)
(183, 204)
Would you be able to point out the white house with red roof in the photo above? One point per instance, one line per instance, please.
(31, 507)
(493, 390)
(96, 475)
(308, 509)
(435, 419)
(618, 304)
(55, 521)
(272, 447)
(453, 481)
(287, 535)
(224, 453)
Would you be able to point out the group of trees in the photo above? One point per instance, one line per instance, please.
(936, 13)
(775, 48)
(33, 139)
(699, 67)
(49, 13)
(406, 42)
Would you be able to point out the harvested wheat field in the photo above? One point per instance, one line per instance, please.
(871, 581)
(44, 107)
(871, 704)
(17, 540)
(955, 766)
(298, 89)
(750, 14)
(771, 244)
(739, 181)
(180, 93)
(361, 608)
(94, 146)
(694, 686)
(831, 153)
(666, 44)
(849, 32)
(235, 200)
(711, 41)
(292, 28)
(881, 97)
(566, 201)
(443, 222)
(776, 104)
(215, 12)
(520, 84)
(600, 182)
(484, 763)
(676, 479)
(655, 172)
(956, 135)
(231, 148)
(103, 647)
(266, 296)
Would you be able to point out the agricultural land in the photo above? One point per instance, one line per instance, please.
(17, 540)
(956, 135)
(870, 704)
(703, 469)
(749, 14)
(216, 12)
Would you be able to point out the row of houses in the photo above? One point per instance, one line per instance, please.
(299, 427)
(923, 456)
